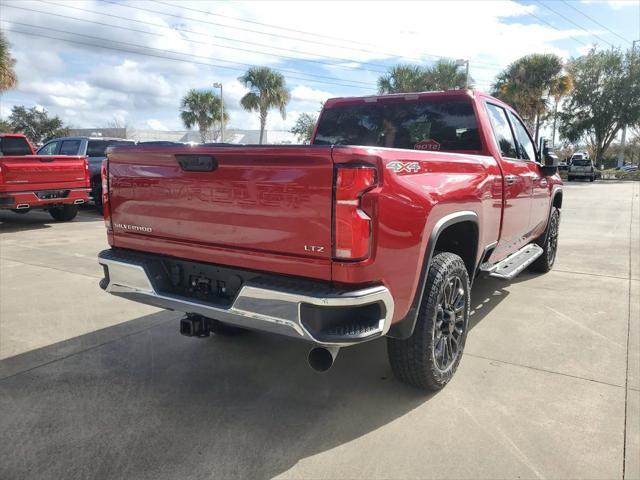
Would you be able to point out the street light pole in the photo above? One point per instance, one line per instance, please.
(459, 63)
(219, 85)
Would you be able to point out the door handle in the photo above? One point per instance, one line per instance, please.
(510, 179)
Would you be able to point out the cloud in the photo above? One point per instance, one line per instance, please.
(155, 124)
(341, 52)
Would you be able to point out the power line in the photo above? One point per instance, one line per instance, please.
(376, 52)
(312, 80)
(596, 21)
(574, 23)
(350, 67)
(383, 68)
(555, 28)
(279, 27)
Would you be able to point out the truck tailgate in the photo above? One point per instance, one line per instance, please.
(256, 207)
(36, 172)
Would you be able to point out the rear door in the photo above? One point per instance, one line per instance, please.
(518, 185)
(541, 197)
(259, 201)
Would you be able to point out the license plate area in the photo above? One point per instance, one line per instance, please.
(52, 194)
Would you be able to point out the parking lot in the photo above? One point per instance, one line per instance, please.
(93, 386)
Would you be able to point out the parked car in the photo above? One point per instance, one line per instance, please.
(94, 148)
(378, 228)
(581, 167)
(57, 183)
(629, 167)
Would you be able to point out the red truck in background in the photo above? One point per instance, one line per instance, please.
(378, 228)
(57, 184)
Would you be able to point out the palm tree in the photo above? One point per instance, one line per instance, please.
(402, 79)
(561, 87)
(526, 85)
(8, 77)
(445, 75)
(202, 108)
(267, 90)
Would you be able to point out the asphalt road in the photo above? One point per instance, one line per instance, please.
(92, 386)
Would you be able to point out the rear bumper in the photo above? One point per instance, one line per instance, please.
(43, 198)
(581, 174)
(298, 309)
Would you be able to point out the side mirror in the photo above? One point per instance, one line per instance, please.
(549, 159)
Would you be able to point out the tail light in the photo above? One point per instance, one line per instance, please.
(352, 227)
(106, 209)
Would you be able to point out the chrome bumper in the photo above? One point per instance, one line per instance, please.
(257, 307)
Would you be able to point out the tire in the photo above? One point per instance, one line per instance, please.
(421, 360)
(65, 213)
(592, 179)
(569, 178)
(549, 243)
(219, 328)
(96, 193)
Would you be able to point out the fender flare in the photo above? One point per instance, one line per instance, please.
(404, 328)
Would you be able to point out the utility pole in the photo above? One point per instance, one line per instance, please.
(219, 85)
(459, 63)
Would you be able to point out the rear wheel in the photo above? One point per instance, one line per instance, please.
(429, 358)
(65, 213)
(96, 192)
(592, 178)
(549, 243)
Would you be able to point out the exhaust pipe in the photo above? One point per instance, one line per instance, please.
(321, 358)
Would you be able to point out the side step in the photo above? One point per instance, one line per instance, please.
(514, 263)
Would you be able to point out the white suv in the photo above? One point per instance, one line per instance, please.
(581, 166)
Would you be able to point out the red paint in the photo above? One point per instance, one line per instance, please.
(270, 208)
(21, 177)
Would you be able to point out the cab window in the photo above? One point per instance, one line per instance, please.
(526, 150)
(502, 131)
(49, 149)
(70, 147)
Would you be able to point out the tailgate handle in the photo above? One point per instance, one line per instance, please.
(197, 163)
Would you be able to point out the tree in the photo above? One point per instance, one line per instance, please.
(443, 75)
(526, 85)
(402, 79)
(560, 88)
(202, 108)
(605, 97)
(304, 126)
(8, 77)
(36, 124)
(267, 90)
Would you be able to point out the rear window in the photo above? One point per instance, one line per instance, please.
(70, 147)
(581, 163)
(98, 148)
(424, 125)
(16, 146)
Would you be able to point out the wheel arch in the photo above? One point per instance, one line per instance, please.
(444, 236)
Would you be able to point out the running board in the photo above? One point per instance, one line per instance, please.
(514, 263)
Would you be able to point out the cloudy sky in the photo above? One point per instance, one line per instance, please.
(95, 61)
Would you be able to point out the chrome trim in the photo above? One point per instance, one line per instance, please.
(255, 307)
(22, 206)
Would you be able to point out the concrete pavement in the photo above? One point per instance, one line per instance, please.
(92, 386)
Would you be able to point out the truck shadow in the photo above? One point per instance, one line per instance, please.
(137, 400)
(11, 222)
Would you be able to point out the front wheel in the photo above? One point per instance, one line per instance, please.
(549, 243)
(592, 178)
(65, 213)
(431, 355)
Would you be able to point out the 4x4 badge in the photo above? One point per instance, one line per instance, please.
(409, 167)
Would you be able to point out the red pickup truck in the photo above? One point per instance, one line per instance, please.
(376, 229)
(57, 184)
